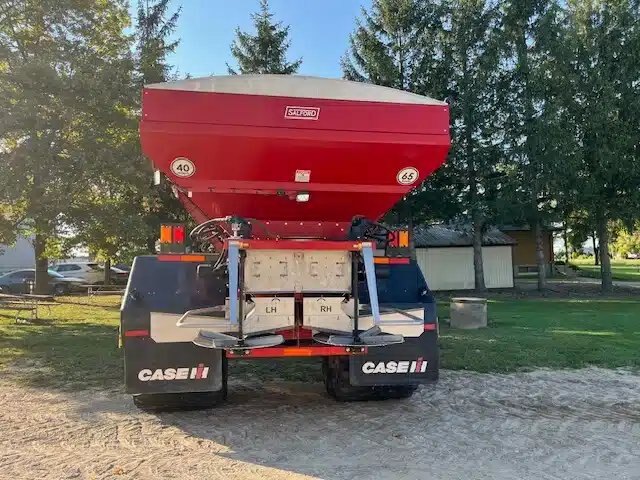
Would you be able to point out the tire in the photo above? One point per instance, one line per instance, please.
(184, 401)
(338, 386)
(60, 289)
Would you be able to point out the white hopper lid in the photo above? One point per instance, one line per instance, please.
(297, 86)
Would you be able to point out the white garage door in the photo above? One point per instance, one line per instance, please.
(447, 268)
(498, 267)
(452, 268)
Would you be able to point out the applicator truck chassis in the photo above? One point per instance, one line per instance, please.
(286, 178)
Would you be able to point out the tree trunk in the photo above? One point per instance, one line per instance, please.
(596, 256)
(540, 256)
(412, 245)
(605, 261)
(151, 245)
(42, 264)
(107, 271)
(565, 235)
(478, 267)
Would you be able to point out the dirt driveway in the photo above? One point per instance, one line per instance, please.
(541, 425)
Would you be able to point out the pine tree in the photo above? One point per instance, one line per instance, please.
(266, 51)
(124, 185)
(532, 146)
(398, 44)
(154, 27)
(471, 50)
(442, 49)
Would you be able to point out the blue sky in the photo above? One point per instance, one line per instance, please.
(319, 32)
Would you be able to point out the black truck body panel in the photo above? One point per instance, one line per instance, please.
(169, 287)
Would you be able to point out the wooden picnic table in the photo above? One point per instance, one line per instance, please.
(29, 302)
(101, 289)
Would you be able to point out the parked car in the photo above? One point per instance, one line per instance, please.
(91, 273)
(119, 276)
(19, 281)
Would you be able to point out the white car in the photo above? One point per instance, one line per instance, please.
(90, 273)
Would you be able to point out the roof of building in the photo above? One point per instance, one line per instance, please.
(441, 236)
(526, 228)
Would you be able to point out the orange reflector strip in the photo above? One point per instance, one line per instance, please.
(297, 352)
(165, 234)
(192, 258)
(182, 258)
(391, 261)
(310, 351)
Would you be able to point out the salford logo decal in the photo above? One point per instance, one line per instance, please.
(416, 366)
(186, 373)
(302, 113)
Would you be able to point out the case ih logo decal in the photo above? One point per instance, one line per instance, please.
(302, 113)
(417, 366)
(186, 373)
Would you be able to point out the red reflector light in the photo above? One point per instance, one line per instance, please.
(430, 326)
(391, 261)
(136, 333)
(178, 234)
(399, 261)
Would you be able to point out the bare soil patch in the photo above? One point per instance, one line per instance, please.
(543, 424)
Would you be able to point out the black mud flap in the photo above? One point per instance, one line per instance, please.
(413, 362)
(171, 367)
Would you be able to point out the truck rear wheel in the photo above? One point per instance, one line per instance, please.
(336, 379)
(168, 402)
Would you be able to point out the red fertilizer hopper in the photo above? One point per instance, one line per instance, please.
(289, 149)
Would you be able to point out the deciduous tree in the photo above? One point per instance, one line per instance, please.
(62, 67)
(598, 68)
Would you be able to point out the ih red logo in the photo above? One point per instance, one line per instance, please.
(302, 113)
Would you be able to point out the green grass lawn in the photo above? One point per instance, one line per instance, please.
(76, 346)
(554, 333)
(620, 269)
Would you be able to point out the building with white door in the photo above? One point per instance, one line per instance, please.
(18, 256)
(445, 256)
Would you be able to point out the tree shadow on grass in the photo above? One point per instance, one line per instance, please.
(73, 356)
(92, 305)
(69, 357)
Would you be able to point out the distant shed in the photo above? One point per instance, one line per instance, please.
(445, 256)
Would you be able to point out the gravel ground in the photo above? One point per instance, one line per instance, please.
(539, 425)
